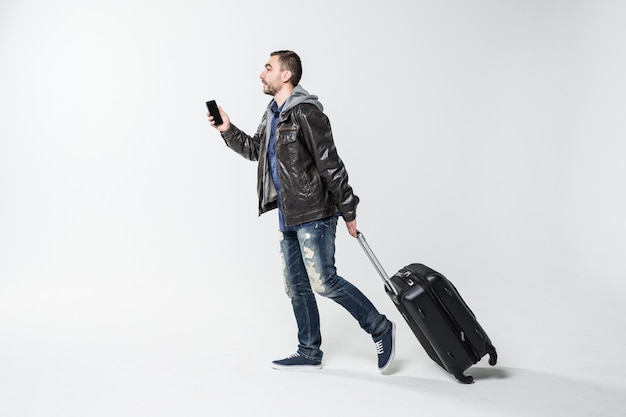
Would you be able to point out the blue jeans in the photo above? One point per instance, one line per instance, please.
(308, 256)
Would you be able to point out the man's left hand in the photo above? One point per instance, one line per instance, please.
(352, 228)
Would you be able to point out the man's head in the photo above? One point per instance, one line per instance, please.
(283, 67)
(290, 61)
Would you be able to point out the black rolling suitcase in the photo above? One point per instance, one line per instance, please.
(435, 311)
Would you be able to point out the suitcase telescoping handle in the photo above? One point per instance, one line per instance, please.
(377, 265)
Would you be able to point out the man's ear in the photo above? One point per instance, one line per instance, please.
(285, 76)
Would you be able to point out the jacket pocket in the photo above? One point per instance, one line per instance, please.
(286, 136)
(286, 140)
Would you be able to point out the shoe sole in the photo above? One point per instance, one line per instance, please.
(296, 367)
(393, 348)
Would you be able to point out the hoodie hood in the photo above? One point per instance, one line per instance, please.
(298, 96)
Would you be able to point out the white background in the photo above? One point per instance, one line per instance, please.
(485, 139)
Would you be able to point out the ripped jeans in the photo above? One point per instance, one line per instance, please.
(308, 256)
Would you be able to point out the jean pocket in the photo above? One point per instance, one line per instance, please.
(327, 223)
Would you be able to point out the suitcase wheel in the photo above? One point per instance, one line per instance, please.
(466, 379)
(493, 357)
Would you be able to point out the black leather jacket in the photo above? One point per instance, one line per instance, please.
(313, 179)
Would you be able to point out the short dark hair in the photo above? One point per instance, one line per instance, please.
(290, 61)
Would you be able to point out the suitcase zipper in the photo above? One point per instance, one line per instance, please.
(455, 325)
(446, 313)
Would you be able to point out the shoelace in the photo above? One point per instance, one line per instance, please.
(295, 355)
(379, 347)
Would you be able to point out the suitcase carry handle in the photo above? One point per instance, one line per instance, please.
(374, 260)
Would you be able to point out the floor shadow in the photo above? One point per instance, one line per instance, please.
(511, 391)
(489, 373)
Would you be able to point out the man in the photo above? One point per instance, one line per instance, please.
(301, 174)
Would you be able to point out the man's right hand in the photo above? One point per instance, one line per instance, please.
(224, 126)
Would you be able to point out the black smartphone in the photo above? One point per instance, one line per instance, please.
(212, 106)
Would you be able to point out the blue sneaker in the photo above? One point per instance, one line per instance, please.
(297, 361)
(385, 347)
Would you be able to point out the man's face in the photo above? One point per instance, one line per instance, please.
(271, 77)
